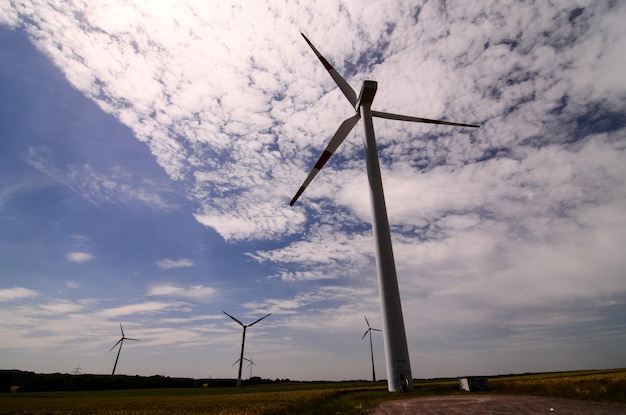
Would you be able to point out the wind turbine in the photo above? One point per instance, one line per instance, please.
(251, 362)
(369, 330)
(243, 341)
(237, 361)
(399, 376)
(77, 369)
(120, 342)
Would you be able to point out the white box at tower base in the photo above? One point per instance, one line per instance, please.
(474, 384)
(464, 384)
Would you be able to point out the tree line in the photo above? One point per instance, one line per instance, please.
(23, 381)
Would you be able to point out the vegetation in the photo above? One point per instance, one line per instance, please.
(279, 399)
(284, 398)
(593, 385)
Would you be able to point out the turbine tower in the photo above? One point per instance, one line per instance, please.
(399, 377)
(120, 342)
(369, 330)
(243, 341)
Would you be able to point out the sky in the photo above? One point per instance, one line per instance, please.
(149, 151)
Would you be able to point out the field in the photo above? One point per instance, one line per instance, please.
(279, 399)
(304, 398)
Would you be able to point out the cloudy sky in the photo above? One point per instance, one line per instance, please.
(149, 151)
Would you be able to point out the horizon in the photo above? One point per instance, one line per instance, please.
(149, 154)
(279, 380)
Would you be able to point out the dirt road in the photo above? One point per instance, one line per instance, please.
(497, 404)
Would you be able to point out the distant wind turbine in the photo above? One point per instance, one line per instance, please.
(77, 369)
(243, 341)
(120, 342)
(250, 365)
(238, 360)
(369, 330)
(399, 376)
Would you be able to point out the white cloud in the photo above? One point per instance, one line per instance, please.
(196, 292)
(16, 293)
(212, 118)
(115, 185)
(79, 257)
(167, 263)
(63, 307)
(146, 307)
(8, 15)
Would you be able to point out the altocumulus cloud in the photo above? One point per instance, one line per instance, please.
(166, 263)
(193, 292)
(79, 257)
(16, 293)
(147, 307)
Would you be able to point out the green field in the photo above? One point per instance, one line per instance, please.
(275, 399)
(303, 398)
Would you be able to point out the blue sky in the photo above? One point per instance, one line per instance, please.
(148, 155)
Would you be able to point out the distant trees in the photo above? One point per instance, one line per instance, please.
(36, 382)
(54, 382)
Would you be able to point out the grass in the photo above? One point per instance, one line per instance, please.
(302, 398)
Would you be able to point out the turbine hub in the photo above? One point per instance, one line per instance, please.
(366, 96)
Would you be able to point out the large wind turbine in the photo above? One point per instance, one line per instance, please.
(120, 342)
(399, 377)
(243, 341)
(369, 330)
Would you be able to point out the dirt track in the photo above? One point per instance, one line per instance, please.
(497, 404)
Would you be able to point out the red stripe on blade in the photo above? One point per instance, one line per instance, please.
(323, 159)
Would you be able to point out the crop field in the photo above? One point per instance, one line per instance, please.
(296, 399)
(606, 385)
(304, 398)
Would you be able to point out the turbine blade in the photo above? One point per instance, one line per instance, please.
(122, 329)
(376, 330)
(128, 338)
(239, 322)
(368, 323)
(252, 324)
(366, 331)
(118, 342)
(236, 361)
(399, 117)
(341, 83)
(341, 134)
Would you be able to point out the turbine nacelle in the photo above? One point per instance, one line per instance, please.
(366, 96)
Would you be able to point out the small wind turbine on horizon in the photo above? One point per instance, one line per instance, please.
(243, 341)
(250, 363)
(369, 330)
(399, 376)
(250, 366)
(120, 342)
(77, 370)
(238, 360)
